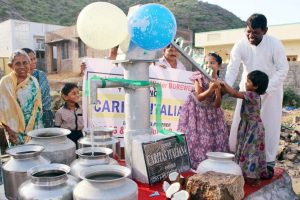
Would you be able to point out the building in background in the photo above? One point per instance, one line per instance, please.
(223, 41)
(16, 34)
(65, 50)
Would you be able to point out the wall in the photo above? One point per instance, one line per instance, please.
(4, 69)
(16, 34)
(25, 33)
(292, 48)
(222, 50)
(292, 80)
(6, 38)
(222, 37)
(216, 40)
(70, 35)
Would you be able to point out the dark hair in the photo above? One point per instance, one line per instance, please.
(218, 59)
(257, 21)
(170, 45)
(216, 56)
(259, 80)
(67, 88)
(28, 50)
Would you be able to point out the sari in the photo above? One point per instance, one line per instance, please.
(20, 105)
(46, 97)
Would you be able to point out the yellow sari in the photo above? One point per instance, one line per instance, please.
(20, 105)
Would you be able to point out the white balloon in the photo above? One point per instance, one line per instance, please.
(124, 46)
(102, 25)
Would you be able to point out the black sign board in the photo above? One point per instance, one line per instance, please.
(165, 156)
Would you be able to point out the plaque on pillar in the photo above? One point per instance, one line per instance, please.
(165, 156)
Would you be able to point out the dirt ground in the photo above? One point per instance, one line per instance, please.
(56, 81)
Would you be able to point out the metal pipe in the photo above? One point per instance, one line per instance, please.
(137, 100)
(137, 106)
(188, 58)
(95, 84)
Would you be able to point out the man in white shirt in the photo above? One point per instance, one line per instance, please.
(258, 51)
(169, 59)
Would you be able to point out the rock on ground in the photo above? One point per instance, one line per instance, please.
(216, 186)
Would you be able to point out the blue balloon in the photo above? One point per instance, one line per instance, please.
(152, 26)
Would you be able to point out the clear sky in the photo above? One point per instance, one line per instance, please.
(276, 11)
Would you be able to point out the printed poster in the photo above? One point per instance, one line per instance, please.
(110, 107)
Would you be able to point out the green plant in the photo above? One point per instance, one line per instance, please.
(290, 98)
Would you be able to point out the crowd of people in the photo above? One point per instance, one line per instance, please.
(25, 102)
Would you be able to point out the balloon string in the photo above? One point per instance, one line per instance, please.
(140, 83)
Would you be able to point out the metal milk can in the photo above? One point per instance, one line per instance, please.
(102, 182)
(89, 156)
(22, 158)
(102, 137)
(58, 148)
(48, 182)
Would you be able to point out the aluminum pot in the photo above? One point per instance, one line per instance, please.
(89, 156)
(102, 182)
(102, 137)
(219, 162)
(58, 148)
(48, 182)
(22, 158)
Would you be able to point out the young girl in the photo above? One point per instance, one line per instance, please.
(201, 118)
(250, 153)
(69, 116)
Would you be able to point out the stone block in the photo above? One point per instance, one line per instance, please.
(215, 186)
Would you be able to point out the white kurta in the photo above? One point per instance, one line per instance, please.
(269, 57)
(164, 63)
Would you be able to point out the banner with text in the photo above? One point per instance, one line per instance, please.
(109, 110)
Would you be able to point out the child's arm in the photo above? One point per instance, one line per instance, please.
(200, 94)
(57, 119)
(232, 91)
(218, 99)
(198, 88)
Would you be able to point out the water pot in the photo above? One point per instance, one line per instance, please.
(102, 182)
(58, 148)
(89, 156)
(102, 137)
(48, 182)
(219, 162)
(22, 158)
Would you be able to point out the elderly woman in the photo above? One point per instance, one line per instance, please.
(45, 89)
(20, 102)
